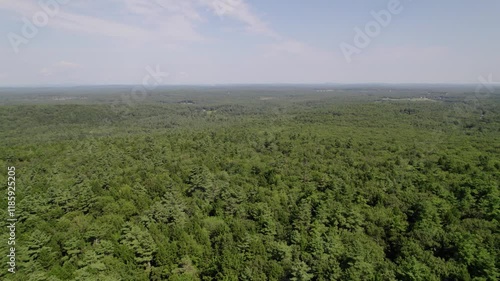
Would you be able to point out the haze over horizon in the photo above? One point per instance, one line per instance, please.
(196, 42)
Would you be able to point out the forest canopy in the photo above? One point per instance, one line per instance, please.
(255, 185)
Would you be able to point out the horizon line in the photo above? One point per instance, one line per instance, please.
(242, 84)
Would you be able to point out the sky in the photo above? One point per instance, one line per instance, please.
(109, 42)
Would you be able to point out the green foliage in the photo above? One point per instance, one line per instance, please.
(237, 188)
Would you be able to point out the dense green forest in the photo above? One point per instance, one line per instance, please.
(254, 184)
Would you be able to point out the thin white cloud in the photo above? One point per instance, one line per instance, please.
(241, 11)
(67, 64)
(166, 20)
(92, 25)
(72, 21)
(159, 7)
(160, 25)
(156, 22)
(289, 46)
(59, 67)
(46, 71)
(20, 6)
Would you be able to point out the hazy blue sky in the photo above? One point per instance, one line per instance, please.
(238, 41)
